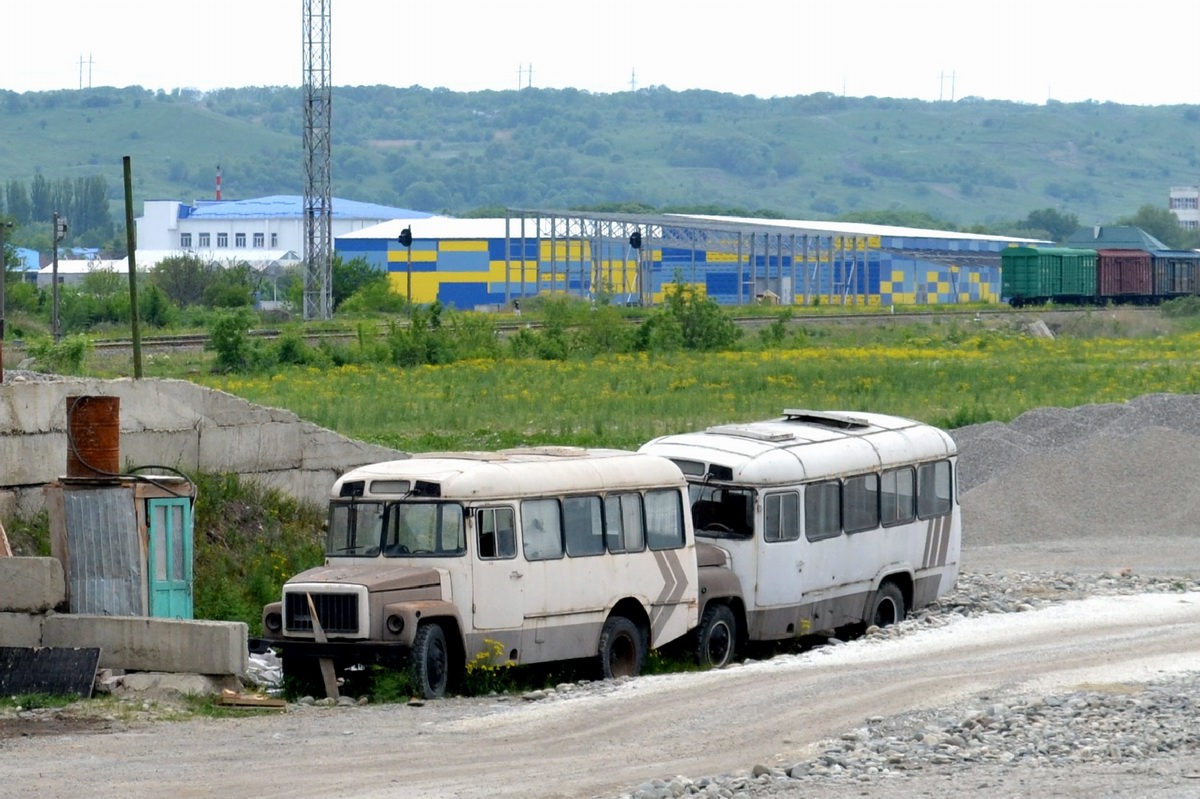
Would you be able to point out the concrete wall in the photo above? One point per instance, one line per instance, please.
(30, 588)
(170, 423)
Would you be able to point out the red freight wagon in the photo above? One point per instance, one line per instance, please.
(1124, 276)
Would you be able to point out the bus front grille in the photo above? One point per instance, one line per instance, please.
(338, 613)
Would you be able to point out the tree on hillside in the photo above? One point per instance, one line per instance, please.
(18, 202)
(1159, 223)
(1058, 225)
(40, 200)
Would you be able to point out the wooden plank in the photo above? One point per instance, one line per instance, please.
(5, 549)
(234, 699)
(328, 672)
(48, 670)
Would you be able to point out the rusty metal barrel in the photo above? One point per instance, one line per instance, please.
(93, 436)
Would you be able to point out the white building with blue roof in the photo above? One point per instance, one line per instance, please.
(262, 223)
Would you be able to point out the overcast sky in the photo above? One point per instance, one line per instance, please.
(1145, 53)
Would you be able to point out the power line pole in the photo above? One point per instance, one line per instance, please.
(318, 197)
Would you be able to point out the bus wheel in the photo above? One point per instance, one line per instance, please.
(888, 607)
(429, 662)
(716, 637)
(623, 647)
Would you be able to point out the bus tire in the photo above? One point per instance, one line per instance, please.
(622, 648)
(429, 662)
(716, 637)
(888, 606)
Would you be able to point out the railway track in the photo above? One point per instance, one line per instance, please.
(185, 341)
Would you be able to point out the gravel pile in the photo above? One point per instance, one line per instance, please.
(1093, 472)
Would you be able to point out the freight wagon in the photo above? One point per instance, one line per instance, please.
(1071, 276)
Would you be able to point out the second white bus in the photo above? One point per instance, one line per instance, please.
(827, 519)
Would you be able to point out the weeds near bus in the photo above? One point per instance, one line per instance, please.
(489, 670)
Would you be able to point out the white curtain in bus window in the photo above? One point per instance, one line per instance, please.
(623, 523)
(583, 525)
(781, 517)
(860, 503)
(664, 520)
(823, 510)
(541, 529)
(933, 489)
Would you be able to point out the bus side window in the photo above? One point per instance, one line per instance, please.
(494, 529)
(823, 510)
(541, 529)
(933, 489)
(623, 523)
(860, 503)
(781, 517)
(583, 526)
(664, 520)
(897, 496)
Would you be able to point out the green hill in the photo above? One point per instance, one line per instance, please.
(820, 156)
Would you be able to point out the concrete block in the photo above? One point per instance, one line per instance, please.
(32, 407)
(140, 643)
(250, 448)
(21, 629)
(324, 449)
(33, 459)
(179, 449)
(31, 585)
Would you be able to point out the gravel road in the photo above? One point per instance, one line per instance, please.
(1066, 664)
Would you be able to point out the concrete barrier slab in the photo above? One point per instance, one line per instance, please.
(31, 585)
(148, 644)
(20, 629)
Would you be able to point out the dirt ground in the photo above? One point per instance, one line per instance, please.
(604, 742)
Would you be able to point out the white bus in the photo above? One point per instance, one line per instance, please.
(551, 553)
(828, 519)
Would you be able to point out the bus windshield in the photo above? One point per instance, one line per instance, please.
(395, 529)
(721, 511)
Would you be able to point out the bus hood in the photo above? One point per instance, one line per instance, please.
(376, 575)
(710, 555)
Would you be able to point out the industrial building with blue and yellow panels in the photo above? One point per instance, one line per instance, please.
(482, 264)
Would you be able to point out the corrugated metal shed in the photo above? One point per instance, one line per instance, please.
(105, 571)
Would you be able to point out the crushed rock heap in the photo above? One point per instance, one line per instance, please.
(1058, 481)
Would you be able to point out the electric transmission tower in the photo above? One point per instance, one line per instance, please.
(318, 197)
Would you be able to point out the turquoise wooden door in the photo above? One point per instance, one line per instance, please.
(170, 557)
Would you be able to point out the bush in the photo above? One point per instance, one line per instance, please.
(65, 357)
(229, 338)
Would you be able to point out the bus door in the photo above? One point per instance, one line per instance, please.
(498, 575)
(781, 552)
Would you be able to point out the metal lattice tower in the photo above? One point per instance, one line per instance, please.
(318, 197)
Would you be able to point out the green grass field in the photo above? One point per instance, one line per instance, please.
(945, 374)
